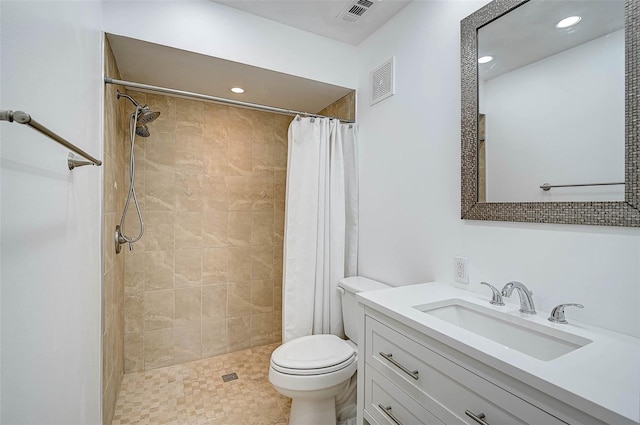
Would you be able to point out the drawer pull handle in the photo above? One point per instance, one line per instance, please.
(387, 411)
(389, 357)
(478, 418)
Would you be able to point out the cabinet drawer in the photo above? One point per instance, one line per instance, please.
(389, 405)
(441, 386)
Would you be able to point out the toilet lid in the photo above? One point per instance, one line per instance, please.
(316, 353)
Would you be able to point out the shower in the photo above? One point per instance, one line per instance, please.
(138, 121)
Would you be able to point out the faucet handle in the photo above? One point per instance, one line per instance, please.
(557, 314)
(496, 299)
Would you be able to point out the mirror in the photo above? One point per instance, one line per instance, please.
(549, 110)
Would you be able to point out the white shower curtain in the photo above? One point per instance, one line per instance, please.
(321, 224)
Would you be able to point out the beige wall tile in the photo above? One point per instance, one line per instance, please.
(133, 353)
(158, 310)
(215, 229)
(216, 156)
(239, 333)
(239, 192)
(214, 303)
(262, 158)
(134, 271)
(262, 229)
(188, 306)
(187, 342)
(262, 262)
(159, 267)
(190, 192)
(279, 190)
(238, 264)
(158, 348)
(262, 194)
(191, 111)
(159, 191)
(217, 198)
(214, 265)
(261, 296)
(239, 228)
(108, 246)
(159, 231)
(188, 268)
(278, 253)
(214, 338)
(261, 329)
(216, 118)
(277, 294)
(278, 228)
(162, 157)
(239, 299)
(134, 313)
(189, 146)
(188, 229)
(214, 219)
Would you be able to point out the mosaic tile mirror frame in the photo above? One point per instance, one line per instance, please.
(609, 213)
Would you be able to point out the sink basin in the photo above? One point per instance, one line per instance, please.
(512, 332)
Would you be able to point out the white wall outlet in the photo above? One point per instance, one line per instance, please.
(461, 269)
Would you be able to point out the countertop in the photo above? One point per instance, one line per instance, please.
(602, 378)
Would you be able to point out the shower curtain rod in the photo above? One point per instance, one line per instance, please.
(200, 96)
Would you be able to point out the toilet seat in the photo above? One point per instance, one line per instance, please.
(313, 355)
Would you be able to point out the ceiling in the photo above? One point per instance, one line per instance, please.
(528, 33)
(323, 17)
(154, 64)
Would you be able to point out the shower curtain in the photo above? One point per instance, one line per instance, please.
(321, 224)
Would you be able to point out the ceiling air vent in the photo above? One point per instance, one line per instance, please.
(354, 10)
(382, 81)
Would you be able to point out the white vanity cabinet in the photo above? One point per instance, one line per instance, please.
(408, 378)
(401, 373)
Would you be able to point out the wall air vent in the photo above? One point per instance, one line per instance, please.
(383, 81)
(354, 10)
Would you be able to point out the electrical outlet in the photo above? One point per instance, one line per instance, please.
(461, 269)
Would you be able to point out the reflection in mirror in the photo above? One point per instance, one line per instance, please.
(552, 103)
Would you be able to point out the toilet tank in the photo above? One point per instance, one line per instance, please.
(350, 311)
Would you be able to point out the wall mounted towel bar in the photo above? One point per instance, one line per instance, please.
(548, 186)
(24, 118)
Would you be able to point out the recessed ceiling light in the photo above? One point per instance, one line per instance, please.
(237, 90)
(485, 59)
(568, 22)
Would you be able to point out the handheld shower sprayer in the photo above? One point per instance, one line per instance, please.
(137, 126)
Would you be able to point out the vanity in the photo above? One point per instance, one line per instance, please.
(435, 354)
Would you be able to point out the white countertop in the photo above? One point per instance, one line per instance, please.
(602, 378)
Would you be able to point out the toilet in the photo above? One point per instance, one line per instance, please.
(312, 370)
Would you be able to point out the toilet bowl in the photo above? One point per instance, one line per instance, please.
(314, 369)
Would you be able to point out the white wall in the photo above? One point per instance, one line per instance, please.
(213, 29)
(51, 219)
(559, 120)
(410, 189)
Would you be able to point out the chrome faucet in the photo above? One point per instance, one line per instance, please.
(496, 298)
(526, 300)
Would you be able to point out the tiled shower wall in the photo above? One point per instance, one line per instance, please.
(113, 278)
(206, 277)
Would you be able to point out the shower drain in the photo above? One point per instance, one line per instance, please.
(230, 377)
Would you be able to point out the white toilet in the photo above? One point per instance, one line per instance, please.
(314, 369)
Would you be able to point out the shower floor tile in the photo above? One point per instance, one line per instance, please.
(195, 394)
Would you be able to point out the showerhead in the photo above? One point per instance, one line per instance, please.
(142, 131)
(146, 115)
(143, 115)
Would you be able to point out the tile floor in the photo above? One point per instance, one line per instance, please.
(195, 394)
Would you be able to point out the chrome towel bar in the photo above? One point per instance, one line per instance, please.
(24, 118)
(548, 186)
